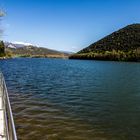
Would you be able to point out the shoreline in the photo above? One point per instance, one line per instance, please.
(4, 58)
(68, 58)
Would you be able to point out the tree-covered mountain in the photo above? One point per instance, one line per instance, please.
(122, 45)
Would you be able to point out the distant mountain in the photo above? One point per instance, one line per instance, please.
(28, 50)
(122, 45)
(14, 44)
(67, 52)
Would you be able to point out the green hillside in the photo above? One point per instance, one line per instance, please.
(122, 45)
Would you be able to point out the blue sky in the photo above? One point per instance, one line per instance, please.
(68, 25)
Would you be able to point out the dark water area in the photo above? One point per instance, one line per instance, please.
(56, 99)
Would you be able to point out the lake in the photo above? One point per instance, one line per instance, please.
(58, 99)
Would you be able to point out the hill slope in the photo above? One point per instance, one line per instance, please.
(20, 50)
(123, 44)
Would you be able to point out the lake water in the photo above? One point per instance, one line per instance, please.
(56, 99)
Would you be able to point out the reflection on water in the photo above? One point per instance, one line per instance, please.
(54, 99)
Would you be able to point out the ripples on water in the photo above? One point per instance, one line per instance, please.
(54, 99)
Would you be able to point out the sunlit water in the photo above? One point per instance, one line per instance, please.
(55, 99)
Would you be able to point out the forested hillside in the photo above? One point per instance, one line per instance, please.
(123, 44)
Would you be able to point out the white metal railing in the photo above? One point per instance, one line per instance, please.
(9, 131)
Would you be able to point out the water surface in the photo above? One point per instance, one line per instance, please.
(55, 99)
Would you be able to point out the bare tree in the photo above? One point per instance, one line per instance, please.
(1, 15)
(2, 48)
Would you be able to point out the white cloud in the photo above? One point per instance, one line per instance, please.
(22, 43)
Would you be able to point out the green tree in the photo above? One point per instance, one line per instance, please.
(2, 49)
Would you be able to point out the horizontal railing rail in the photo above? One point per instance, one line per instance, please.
(10, 130)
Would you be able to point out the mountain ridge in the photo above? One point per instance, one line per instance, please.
(27, 50)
